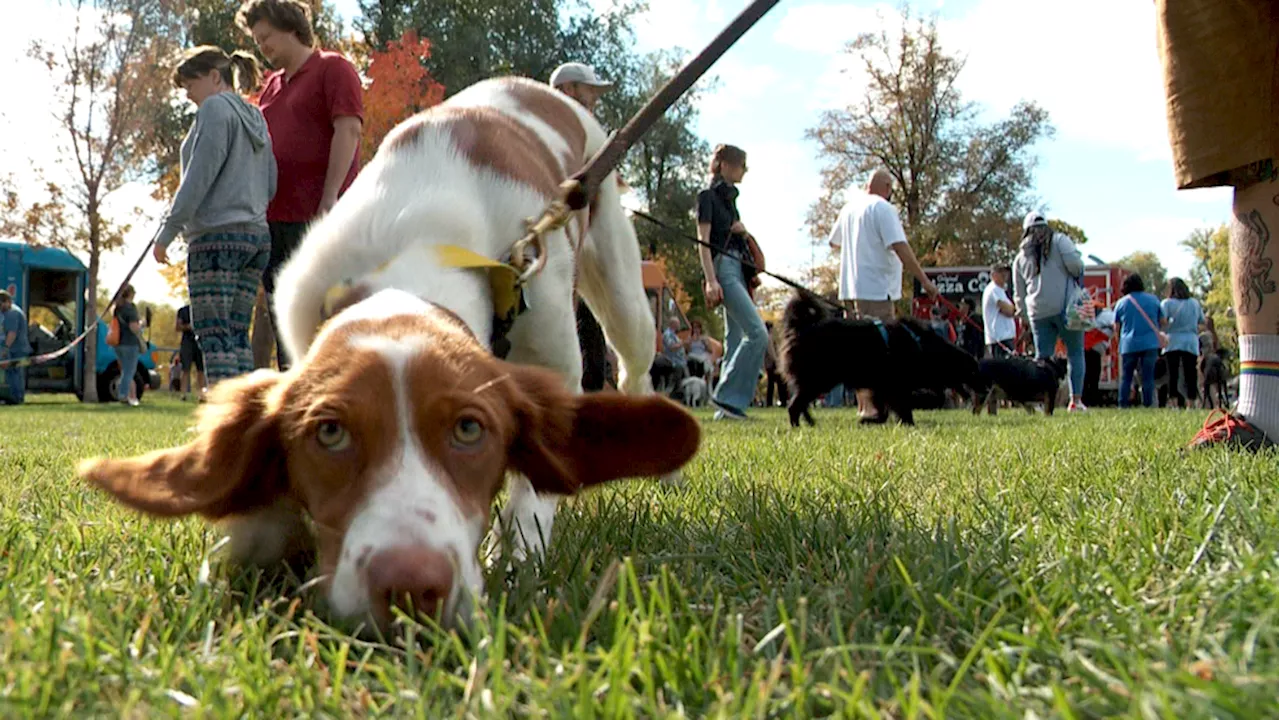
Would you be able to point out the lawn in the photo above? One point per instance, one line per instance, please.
(1073, 566)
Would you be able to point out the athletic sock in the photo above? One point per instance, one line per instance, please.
(1260, 383)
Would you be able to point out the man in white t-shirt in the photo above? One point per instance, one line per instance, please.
(998, 327)
(873, 249)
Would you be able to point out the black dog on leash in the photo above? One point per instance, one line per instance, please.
(1021, 380)
(892, 359)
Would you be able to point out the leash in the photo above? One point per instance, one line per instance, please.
(46, 357)
(969, 319)
(677, 232)
(577, 191)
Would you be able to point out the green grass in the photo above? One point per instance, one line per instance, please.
(1074, 566)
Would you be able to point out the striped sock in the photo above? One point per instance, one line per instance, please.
(1260, 382)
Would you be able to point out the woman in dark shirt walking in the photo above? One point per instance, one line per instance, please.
(129, 350)
(745, 335)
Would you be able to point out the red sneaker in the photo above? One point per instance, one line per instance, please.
(1222, 428)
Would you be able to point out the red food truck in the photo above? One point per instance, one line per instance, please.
(1101, 280)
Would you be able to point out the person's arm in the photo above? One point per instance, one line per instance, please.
(1020, 292)
(834, 237)
(1071, 258)
(711, 285)
(895, 238)
(342, 153)
(345, 97)
(1005, 307)
(909, 261)
(208, 153)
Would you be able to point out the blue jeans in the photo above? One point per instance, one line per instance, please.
(1046, 333)
(127, 356)
(15, 378)
(1146, 360)
(744, 341)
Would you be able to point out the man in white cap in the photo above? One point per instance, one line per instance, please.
(580, 82)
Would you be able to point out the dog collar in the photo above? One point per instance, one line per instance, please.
(506, 289)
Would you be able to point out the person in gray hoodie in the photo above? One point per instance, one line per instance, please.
(228, 177)
(1047, 262)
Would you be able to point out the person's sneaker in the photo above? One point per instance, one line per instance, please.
(131, 402)
(1077, 407)
(1223, 428)
(726, 412)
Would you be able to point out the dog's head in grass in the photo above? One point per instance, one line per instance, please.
(394, 433)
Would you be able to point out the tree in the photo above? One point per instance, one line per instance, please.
(399, 86)
(477, 39)
(1076, 234)
(665, 170)
(106, 78)
(1210, 278)
(961, 187)
(1148, 265)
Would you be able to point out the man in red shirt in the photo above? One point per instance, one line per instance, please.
(314, 107)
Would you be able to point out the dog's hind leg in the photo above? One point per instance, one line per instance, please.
(610, 282)
(1049, 400)
(900, 403)
(798, 407)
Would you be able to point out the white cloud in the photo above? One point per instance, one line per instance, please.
(1099, 80)
(774, 199)
(743, 86)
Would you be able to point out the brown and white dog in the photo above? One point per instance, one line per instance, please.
(395, 429)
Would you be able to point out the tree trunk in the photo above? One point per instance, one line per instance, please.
(90, 316)
(262, 339)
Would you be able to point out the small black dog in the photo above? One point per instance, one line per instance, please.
(1213, 379)
(892, 359)
(1021, 380)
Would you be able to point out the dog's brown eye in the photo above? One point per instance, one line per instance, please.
(332, 436)
(468, 431)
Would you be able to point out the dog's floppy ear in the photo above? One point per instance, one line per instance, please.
(235, 464)
(565, 442)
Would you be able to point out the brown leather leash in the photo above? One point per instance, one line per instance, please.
(577, 191)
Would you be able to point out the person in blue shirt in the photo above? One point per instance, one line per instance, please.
(1183, 321)
(1138, 318)
(13, 347)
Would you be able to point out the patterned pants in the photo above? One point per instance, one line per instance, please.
(223, 273)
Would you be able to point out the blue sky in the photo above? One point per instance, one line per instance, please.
(1108, 170)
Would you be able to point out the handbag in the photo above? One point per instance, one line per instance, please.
(113, 331)
(1078, 312)
(1161, 336)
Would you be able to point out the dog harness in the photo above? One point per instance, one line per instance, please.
(884, 332)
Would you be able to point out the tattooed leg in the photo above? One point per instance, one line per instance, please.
(1254, 237)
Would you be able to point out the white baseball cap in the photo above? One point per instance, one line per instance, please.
(1033, 218)
(576, 72)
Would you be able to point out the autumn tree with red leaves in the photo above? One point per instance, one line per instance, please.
(399, 86)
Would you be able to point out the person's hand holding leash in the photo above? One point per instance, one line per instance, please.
(929, 288)
(715, 294)
(161, 254)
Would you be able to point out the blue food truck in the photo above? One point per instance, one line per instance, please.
(49, 284)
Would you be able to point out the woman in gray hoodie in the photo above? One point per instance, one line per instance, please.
(1047, 262)
(228, 177)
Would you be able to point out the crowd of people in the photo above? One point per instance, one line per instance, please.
(254, 176)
